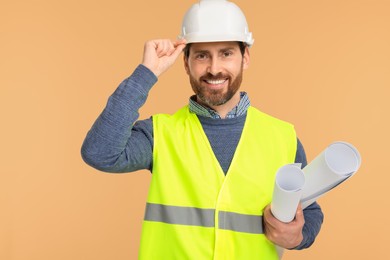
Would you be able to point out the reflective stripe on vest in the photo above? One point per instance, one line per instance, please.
(192, 216)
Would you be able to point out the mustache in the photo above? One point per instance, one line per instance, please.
(218, 76)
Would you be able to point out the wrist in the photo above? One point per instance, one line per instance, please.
(297, 243)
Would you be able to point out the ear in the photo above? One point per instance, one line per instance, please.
(185, 59)
(246, 58)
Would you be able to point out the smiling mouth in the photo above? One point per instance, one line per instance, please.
(215, 82)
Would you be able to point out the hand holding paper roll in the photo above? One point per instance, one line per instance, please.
(285, 235)
(289, 183)
(337, 163)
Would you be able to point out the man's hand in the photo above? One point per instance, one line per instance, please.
(287, 235)
(159, 55)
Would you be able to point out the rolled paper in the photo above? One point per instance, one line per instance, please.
(287, 193)
(337, 163)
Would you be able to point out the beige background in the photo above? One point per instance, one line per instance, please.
(323, 65)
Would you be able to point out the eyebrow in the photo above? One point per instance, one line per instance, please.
(221, 50)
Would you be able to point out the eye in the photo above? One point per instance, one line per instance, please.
(201, 56)
(227, 54)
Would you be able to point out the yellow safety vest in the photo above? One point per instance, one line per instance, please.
(193, 210)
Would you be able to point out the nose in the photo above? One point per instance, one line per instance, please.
(214, 66)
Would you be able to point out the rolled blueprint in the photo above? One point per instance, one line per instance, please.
(337, 163)
(287, 193)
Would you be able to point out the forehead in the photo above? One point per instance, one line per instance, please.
(210, 46)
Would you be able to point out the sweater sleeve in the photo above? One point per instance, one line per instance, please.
(116, 142)
(313, 213)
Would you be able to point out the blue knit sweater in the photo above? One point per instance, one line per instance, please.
(117, 142)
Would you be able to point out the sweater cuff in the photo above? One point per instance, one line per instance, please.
(146, 76)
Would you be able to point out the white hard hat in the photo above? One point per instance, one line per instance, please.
(215, 21)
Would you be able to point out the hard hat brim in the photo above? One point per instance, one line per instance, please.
(195, 38)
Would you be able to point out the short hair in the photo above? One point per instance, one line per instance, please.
(241, 45)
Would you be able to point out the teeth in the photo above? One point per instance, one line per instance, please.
(216, 82)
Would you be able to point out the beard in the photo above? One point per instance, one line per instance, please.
(215, 97)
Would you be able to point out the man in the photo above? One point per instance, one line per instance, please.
(214, 161)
